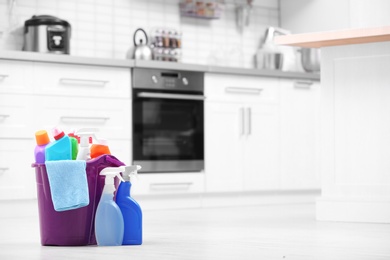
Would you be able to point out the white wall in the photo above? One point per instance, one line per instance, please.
(302, 16)
(103, 28)
(370, 13)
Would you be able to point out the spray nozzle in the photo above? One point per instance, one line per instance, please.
(85, 134)
(130, 170)
(112, 172)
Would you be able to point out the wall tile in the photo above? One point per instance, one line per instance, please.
(102, 28)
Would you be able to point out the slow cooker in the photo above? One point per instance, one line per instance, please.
(48, 34)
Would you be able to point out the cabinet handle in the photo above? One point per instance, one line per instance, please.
(3, 169)
(170, 186)
(249, 121)
(170, 96)
(242, 121)
(240, 90)
(3, 116)
(303, 84)
(3, 76)
(90, 82)
(73, 119)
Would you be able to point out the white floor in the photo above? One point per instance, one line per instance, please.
(251, 232)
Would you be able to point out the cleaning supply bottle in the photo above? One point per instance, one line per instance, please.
(109, 225)
(99, 148)
(60, 149)
(43, 140)
(75, 145)
(131, 211)
(84, 152)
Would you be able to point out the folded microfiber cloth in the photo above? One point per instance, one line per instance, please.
(68, 184)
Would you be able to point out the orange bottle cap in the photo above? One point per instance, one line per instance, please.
(99, 149)
(42, 137)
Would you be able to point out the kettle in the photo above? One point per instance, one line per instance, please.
(141, 50)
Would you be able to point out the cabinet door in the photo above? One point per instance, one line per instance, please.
(224, 133)
(15, 77)
(17, 178)
(261, 153)
(168, 183)
(235, 88)
(16, 116)
(110, 116)
(300, 111)
(81, 80)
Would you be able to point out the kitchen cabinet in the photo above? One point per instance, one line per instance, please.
(355, 139)
(77, 96)
(17, 178)
(16, 116)
(38, 95)
(168, 183)
(15, 77)
(241, 133)
(81, 81)
(299, 134)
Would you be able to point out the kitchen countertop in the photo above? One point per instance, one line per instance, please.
(336, 38)
(280, 231)
(68, 59)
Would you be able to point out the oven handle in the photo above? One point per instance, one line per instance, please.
(170, 96)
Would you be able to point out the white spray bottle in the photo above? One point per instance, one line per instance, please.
(84, 152)
(109, 225)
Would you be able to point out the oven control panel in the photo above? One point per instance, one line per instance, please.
(168, 79)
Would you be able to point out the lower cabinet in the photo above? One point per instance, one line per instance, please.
(73, 97)
(223, 147)
(261, 151)
(17, 177)
(299, 134)
(241, 133)
(168, 183)
(266, 141)
(241, 147)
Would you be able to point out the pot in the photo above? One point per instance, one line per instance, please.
(141, 51)
(48, 34)
(311, 59)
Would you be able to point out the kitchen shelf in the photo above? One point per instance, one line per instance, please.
(203, 10)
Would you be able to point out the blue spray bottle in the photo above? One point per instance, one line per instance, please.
(109, 225)
(131, 211)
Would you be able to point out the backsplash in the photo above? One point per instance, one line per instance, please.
(104, 29)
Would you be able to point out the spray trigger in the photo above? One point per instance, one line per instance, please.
(129, 171)
(112, 172)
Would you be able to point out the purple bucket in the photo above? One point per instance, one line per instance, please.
(73, 227)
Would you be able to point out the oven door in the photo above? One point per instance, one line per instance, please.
(168, 132)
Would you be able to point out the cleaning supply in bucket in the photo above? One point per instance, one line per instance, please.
(75, 145)
(68, 184)
(131, 211)
(100, 148)
(42, 139)
(60, 149)
(109, 226)
(84, 152)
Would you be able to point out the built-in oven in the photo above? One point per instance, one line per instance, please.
(168, 120)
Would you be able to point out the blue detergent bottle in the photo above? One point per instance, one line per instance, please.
(109, 225)
(60, 149)
(131, 211)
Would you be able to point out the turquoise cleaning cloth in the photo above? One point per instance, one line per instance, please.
(68, 184)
